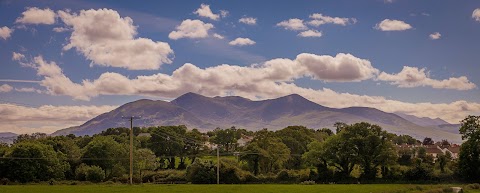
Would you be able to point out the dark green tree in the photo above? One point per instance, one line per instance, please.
(469, 158)
(105, 152)
(27, 161)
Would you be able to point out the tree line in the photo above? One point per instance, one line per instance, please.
(360, 152)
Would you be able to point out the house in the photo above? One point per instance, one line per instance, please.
(434, 151)
(244, 140)
(454, 150)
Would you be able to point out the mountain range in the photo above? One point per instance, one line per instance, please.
(207, 113)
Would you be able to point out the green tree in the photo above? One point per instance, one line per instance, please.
(168, 142)
(272, 152)
(315, 156)
(372, 147)
(145, 159)
(105, 152)
(469, 158)
(297, 139)
(227, 138)
(27, 161)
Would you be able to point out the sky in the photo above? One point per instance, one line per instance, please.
(65, 62)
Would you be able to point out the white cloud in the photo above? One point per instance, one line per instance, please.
(60, 29)
(242, 42)
(107, 39)
(191, 29)
(205, 11)
(34, 15)
(224, 13)
(392, 25)
(415, 77)
(341, 68)
(5, 88)
(319, 19)
(46, 118)
(5, 32)
(17, 56)
(435, 36)
(271, 79)
(248, 20)
(218, 36)
(28, 89)
(293, 24)
(476, 14)
(310, 33)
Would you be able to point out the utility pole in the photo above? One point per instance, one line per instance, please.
(131, 145)
(218, 163)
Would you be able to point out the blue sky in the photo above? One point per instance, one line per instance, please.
(370, 53)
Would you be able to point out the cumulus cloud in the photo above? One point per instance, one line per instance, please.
(5, 88)
(17, 56)
(46, 118)
(271, 79)
(218, 36)
(193, 29)
(415, 77)
(242, 42)
(248, 20)
(107, 39)
(60, 29)
(27, 89)
(310, 33)
(435, 36)
(293, 24)
(320, 19)
(476, 14)
(5, 32)
(34, 15)
(341, 68)
(392, 25)
(205, 11)
(224, 13)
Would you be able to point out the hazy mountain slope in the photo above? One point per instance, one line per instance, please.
(7, 137)
(151, 112)
(423, 121)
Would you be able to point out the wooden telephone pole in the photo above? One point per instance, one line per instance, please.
(131, 118)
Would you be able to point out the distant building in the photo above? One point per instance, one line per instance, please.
(244, 140)
(432, 150)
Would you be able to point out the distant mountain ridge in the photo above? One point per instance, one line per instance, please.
(207, 113)
(423, 121)
(7, 137)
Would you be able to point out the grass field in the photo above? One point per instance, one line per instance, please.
(262, 188)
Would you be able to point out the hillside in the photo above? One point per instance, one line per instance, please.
(207, 113)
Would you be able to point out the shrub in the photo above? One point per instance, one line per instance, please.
(81, 172)
(473, 186)
(283, 176)
(95, 174)
(4, 181)
(201, 172)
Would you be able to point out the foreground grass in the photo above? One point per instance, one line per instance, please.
(262, 188)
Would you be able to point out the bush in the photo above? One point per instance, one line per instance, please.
(95, 174)
(4, 181)
(201, 172)
(165, 177)
(473, 186)
(283, 176)
(81, 172)
(89, 173)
